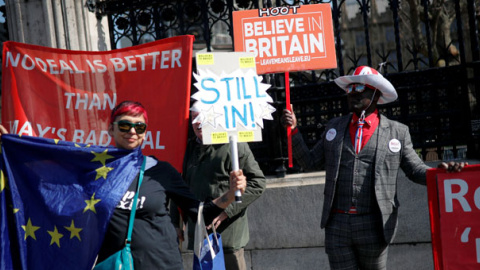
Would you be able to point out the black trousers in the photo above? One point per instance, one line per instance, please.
(355, 241)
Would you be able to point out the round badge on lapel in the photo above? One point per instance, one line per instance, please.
(331, 134)
(394, 145)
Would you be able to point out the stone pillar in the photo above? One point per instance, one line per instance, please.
(64, 24)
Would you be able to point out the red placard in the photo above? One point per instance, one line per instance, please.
(68, 95)
(454, 202)
(288, 38)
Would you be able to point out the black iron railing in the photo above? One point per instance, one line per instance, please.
(429, 52)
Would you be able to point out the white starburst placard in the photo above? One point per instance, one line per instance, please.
(230, 100)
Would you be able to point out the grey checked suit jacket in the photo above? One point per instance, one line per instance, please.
(328, 149)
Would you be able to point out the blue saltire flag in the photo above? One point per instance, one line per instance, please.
(56, 199)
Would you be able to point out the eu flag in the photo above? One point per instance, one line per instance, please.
(56, 199)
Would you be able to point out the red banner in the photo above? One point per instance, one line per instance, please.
(68, 95)
(454, 201)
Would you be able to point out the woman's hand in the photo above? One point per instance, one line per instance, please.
(3, 130)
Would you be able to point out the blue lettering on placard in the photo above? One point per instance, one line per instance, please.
(256, 88)
(237, 95)
(225, 109)
(245, 96)
(210, 89)
(252, 115)
(237, 79)
(243, 117)
(227, 82)
(240, 113)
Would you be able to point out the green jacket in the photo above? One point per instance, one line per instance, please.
(206, 170)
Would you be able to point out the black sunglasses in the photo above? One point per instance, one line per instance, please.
(359, 88)
(125, 126)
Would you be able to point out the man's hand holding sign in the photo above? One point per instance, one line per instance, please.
(228, 109)
(231, 101)
(285, 39)
(454, 202)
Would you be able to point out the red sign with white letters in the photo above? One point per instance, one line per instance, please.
(454, 201)
(69, 95)
(285, 38)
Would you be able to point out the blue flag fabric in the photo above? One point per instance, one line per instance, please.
(56, 199)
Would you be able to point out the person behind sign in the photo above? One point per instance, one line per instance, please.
(360, 205)
(154, 240)
(205, 170)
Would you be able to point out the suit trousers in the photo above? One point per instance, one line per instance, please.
(356, 241)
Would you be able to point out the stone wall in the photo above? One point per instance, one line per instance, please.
(63, 24)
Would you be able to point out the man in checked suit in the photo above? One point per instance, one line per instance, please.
(360, 207)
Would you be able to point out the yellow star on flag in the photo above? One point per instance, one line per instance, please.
(91, 204)
(102, 157)
(15, 210)
(102, 172)
(3, 181)
(55, 236)
(30, 229)
(74, 232)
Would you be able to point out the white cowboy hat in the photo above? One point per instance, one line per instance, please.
(371, 77)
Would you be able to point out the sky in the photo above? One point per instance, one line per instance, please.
(2, 19)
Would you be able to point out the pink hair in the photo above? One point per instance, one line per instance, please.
(132, 108)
